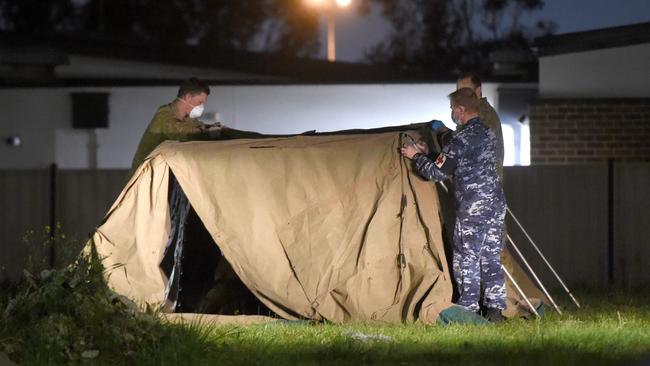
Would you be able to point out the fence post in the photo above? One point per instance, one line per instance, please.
(610, 221)
(53, 173)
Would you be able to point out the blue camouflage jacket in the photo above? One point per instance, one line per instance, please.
(471, 158)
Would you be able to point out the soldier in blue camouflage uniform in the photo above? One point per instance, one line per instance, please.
(471, 158)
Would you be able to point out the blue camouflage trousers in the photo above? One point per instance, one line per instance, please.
(478, 242)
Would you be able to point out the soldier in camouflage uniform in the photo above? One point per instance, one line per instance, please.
(177, 120)
(471, 158)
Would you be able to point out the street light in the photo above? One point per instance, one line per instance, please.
(330, 8)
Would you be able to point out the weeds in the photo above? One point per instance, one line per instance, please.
(68, 315)
(51, 247)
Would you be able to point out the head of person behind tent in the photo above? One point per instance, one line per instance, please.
(177, 120)
(488, 115)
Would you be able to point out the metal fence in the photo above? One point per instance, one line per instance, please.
(35, 200)
(565, 210)
(589, 220)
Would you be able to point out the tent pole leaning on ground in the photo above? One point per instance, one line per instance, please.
(521, 292)
(539, 282)
(543, 257)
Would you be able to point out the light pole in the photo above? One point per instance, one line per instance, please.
(329, 7)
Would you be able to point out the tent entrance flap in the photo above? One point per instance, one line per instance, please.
(200, 279)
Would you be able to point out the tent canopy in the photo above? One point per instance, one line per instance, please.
(336, 227)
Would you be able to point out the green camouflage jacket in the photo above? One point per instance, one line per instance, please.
(491, 119)
(166, 126)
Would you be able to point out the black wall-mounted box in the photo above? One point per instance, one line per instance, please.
(89, 110)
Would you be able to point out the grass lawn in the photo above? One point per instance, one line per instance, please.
(612, 328)
(68, 317)
(595, 335)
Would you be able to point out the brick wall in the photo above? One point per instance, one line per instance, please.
(569, 131)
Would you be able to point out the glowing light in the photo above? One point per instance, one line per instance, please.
(341, 3)
(330, 13)
(524, 145)
(508, 145)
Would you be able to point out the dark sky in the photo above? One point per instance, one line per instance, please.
(354, 33)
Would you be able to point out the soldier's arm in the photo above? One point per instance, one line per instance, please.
(443, 166)
(185, 131)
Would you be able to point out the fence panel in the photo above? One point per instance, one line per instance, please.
(24, 205)
(632, 223)
(564, 209)
(84, 197)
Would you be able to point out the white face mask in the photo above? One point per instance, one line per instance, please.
(197, 111)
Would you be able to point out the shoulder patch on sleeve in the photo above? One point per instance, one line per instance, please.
(440, 160)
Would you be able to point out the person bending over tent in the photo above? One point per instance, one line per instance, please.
(471, 158)
(178, 120)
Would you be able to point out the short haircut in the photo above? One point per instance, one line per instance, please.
(473, 78)
(465, 97)
(192, 86)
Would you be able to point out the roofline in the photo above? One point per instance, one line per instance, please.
(593, 100)
(292, 70)
(98, 82)
(300, 69)
(620, 36)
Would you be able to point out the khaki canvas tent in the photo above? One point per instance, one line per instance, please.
(333, 227)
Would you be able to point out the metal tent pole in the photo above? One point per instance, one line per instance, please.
(543, 257)
(520, 291)
(444, 186)
(530, 269)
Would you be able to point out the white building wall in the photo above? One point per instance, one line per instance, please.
(42, 116)
(33, 115)
(620, 72)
